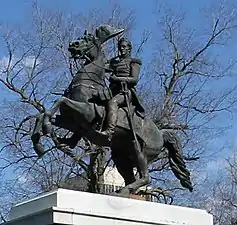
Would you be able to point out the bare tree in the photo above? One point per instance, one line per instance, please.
(188, 72)
(224, 192)
(34, 71)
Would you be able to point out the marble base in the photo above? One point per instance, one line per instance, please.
(80, 208)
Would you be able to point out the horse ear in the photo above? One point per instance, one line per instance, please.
(85, 32)
(97, 33)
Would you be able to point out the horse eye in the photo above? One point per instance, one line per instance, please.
(76, 43)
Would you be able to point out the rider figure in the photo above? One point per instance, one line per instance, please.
(125, 69)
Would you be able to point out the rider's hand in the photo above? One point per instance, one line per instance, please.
(113, 78)
(108, 70)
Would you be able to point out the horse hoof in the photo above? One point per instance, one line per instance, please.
(63, 146)
(124, 192)
(121, 195)
(47, 128)
(67, 142)
(115, 194)
(39, 149)
(35, 138)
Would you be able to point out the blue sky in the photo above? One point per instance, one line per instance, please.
(14, 11)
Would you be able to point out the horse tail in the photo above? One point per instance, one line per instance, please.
(177, 164)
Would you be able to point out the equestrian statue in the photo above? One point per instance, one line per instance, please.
(111, 116)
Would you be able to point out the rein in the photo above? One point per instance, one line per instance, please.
(84, 55)
(83, 85)
(88, 59)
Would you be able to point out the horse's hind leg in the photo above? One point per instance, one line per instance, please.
(35, 137)
(124, 166)
(143, 171)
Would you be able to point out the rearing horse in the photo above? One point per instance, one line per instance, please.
(79, 115)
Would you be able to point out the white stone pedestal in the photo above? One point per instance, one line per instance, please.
(81, 208)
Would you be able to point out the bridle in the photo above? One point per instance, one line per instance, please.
(84, 55)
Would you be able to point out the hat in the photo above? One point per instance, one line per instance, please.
(105, 32)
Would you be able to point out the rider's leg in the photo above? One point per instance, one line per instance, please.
(112, 117)
(112, 114)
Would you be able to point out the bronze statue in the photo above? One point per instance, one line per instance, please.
(80, 115)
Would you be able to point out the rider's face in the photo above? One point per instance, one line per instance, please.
(124, 49)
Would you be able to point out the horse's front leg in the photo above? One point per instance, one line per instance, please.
(35, 137)
(47, 125)
(71, 142)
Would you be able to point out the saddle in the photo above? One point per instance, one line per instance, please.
(103, 96)
(122, 117)
(142, 126)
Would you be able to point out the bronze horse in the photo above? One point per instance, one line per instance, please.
(81, 116)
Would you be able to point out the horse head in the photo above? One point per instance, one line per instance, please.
(89, 46)
(86, 46)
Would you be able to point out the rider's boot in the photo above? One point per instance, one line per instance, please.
(112, 117)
